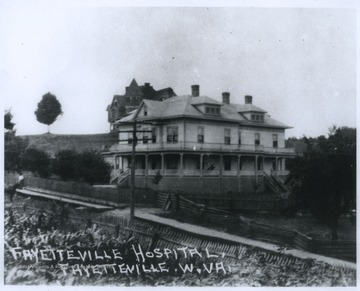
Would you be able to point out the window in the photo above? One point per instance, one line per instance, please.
(127, 99)
(130, 137)
(275, 140)
(145, 110)
(227, 139)
(145, 136)
(172, 134)
(153, 135)
(227, 163)
(200, 134)
(257, 117)
(212, 110)
(130, 108)
(257, 138)
(239, 136)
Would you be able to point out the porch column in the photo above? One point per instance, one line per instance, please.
(161, 140)
(146, 165)
(256, 164)
(238, 165)
(220, 165)
(115, 157)
(283, 160)
(181, 165)
(162, 164)
(201, 165)
(276, 164)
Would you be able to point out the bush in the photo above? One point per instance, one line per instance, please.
(14, 147)
(92, 168)
(36, 161)
(65, 164)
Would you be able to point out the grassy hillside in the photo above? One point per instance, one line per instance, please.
(52, 143)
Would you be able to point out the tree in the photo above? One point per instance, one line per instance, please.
(8, 124)
(14, 150)
(65, 164)
(92, 168)
(36, 161)
(323, 179)
(14, 146)
(49, 108)
(299, 145)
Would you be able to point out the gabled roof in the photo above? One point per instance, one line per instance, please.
(249, 108)
(185, 106)
(165, 89)
(133, 83)
(205, 100)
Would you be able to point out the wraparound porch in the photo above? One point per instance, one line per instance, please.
(201, 164)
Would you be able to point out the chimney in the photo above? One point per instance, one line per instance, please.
(226, 97)
(248, 99)
(195, 90)
(147, 84)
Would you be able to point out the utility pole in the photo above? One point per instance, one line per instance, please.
(135, 140)
(132, 177)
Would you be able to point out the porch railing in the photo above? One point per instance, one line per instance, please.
(181, 145)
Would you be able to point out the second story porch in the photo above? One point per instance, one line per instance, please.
(149, 146)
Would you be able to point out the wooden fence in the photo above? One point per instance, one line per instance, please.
(253, 203)
(148, 233)
(85, 191)
(345, 250)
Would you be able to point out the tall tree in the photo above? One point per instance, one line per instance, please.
(8, 124)
(49, 108)
(14, 146)
(323, 179)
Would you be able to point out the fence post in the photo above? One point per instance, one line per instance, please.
(117, 231)
(154, 241)
(88, 223)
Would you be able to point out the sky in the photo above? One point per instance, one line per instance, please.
(298, 63)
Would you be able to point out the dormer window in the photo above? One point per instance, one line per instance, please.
(145, 110)
(212, 110)
(257, 117)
